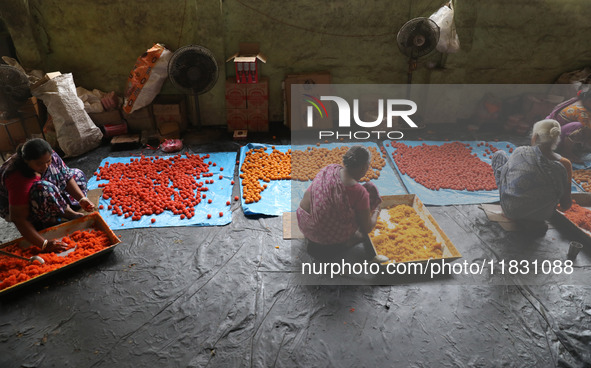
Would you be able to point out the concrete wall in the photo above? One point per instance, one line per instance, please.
(98, 41)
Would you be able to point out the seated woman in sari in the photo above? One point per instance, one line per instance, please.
(335, 206)
(574, 116)
(534, 179)
(37, 189)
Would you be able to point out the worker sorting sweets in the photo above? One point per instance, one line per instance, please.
(38, 190)
(534, 179)
(336, 208)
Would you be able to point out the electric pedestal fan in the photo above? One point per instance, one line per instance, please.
(416, 38)
(193, 70)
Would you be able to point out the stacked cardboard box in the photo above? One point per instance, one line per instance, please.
(170, 115)
(17, 130)
(316, 84)
(140, 120)
(247, 105)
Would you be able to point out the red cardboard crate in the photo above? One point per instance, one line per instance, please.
(235, 95)
(237, 119)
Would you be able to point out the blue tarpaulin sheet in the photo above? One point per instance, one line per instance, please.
(285, 195)
(444, 197)
(219, 192)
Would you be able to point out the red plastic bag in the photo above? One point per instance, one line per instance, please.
(171, 145)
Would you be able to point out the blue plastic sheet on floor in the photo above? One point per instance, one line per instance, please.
(444, 197)
(276, 198)
(388, 183)
(219, 192)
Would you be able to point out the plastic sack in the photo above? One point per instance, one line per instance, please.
(171, 145)
(448, 38)
(76, 133)
(146, 78)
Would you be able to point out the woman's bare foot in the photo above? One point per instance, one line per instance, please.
(70, 214)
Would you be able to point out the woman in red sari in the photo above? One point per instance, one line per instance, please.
(335, 207)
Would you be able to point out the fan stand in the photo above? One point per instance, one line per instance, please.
(412, 66)
(195, 111)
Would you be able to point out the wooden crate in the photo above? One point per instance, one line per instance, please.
(91, 221)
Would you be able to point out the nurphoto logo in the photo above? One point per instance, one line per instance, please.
(388, 110)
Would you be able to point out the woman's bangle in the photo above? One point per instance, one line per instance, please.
(83, 198)
(44, 244)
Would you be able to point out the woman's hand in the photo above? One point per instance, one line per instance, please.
(86, 204)
(55, 246)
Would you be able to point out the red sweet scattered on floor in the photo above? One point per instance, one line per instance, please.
(236, 198)
(221, 177)
(221, 169)
(227, 203)
(14, 271)
(209, 201)
(153, 220)
(232, 182)
(221, 214)
(208, 216)
(449, 166)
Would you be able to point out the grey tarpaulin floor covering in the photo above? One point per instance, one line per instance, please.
(227, 297)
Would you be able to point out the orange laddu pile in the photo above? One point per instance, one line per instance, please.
(306, 164)
(259, 165)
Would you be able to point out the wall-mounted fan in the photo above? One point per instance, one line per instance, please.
(193, 70)
(416, 38)
(14, 91)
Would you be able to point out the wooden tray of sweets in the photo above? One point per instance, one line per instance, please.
(93, 221)
(448, 250)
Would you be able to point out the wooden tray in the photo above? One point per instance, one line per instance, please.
(561, 221)
(91, 221)
(450, 252)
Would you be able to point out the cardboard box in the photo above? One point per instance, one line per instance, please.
(237, 119)
(139, 120)
(315, 86)
(246, 62)
(45, 78)
(106, 117)
(258, 120)
(5, 142)
(169, 128)
(257, 95)
(30, 108)
(126, 141)
(170, 109)
(235, 94)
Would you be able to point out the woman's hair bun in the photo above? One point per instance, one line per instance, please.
(554, 132)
